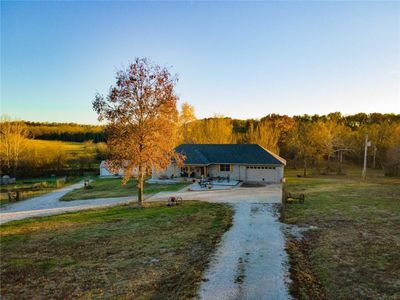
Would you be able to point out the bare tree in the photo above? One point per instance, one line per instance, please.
(13, 136)
(143, 120)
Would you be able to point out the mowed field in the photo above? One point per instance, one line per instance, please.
(113, 187)
(352, 250)
(117, 253)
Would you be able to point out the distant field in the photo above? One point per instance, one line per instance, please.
(73, 149)
(38, 149)
(353, 251)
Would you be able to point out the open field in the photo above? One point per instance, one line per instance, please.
(120, 252)
(72, 149)
(112, 187)
(354, 250)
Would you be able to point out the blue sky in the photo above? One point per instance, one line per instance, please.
(239, 59)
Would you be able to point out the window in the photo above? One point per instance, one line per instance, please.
(225, 168)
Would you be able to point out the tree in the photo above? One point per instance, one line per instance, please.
(143, 120)
(186, 117)
(216, 130)
(311, 141)
(265, 134)
(13, 137)
(392, 159)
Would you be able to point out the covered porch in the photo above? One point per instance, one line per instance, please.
(195, 171)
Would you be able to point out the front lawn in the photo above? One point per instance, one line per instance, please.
(353, 250)
(112, 187)
(121, 252)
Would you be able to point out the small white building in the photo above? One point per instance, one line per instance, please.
(105, 172)
(244, 162)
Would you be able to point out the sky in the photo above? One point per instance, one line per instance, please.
(238, 59)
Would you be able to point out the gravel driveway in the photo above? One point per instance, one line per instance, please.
(250, 263)
(49, 204)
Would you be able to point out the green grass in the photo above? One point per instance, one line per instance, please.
(121, 252)
(112, 187)
(48, 184)
(354, 252)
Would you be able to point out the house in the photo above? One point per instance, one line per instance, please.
(244, 162)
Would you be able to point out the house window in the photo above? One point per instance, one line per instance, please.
(225, 168)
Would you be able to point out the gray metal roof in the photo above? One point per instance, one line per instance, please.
(251, 154)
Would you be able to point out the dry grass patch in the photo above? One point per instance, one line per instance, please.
(121, 252)
(354, 252)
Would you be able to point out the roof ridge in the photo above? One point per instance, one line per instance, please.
(282, 160)
(202, 155)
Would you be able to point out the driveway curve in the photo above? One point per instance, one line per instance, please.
(49, 204)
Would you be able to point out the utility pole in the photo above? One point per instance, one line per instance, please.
(367, 144)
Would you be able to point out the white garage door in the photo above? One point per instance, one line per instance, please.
(262, 174)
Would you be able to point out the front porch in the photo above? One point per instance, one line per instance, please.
(194, 171)
(210, 173)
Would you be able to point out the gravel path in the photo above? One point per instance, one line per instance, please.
(49, 204)
(251, 262)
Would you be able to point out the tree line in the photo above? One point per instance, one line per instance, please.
(316, 141)
(70, 132)
(306, 141)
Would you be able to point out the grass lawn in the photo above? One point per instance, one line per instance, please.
(35, 186)
(121, 252)
(354, 251)
(112, 187)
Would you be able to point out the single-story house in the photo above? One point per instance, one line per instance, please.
(244, 162)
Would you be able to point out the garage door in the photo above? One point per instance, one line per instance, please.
(260, 174)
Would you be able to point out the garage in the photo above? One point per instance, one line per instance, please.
(267, 174)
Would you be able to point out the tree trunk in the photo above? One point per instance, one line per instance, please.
(305, 168)
(140, 186)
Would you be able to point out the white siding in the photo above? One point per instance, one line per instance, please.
(168, 172)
